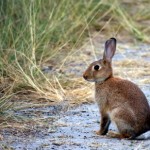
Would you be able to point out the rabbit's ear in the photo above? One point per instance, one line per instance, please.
(110, 48)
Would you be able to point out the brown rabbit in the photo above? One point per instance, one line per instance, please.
(119, 100)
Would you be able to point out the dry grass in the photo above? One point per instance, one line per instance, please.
(127, 63)
(50, 34)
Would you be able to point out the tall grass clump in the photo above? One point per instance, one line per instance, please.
(34, 32)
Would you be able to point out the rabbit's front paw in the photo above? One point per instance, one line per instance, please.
(98, 132)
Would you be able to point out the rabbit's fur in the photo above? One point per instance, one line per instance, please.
(119, 100)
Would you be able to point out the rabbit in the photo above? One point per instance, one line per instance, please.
(120, 101)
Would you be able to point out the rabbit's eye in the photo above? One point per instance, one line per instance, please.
(96, 67)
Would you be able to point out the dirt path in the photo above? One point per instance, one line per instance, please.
(53, 128)
(73, 129)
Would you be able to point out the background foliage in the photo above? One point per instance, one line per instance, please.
(34, 32)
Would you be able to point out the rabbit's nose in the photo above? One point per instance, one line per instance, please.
(85, 76)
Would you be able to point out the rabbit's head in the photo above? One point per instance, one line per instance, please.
(101, 70)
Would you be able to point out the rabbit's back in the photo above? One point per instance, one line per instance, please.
(124, 95)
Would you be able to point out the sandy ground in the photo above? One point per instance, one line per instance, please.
(73, 129)
(65, 128)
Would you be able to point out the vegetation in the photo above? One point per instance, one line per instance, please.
(35, 32)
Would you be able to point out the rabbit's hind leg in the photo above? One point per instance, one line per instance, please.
(114, 134)
(126, 130)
